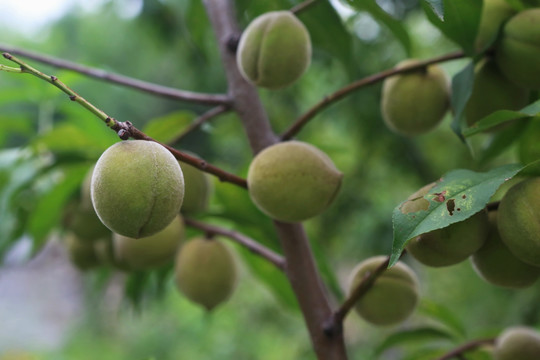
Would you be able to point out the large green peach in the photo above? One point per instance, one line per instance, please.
(393, 296)
(518, 342)
(498, 266)
(198, 189)
(519, 49)
(152, 251)
(416, 102)
(205, 272)
(274, 50)
(137, 188)
(449, 245)
(494, 13)
(492, 91)
(292, 181)
(518, 220)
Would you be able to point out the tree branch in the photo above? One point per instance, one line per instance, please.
(148, 87)
(212, 113)
(459, 351)
(242, 239)
(347, 90)
(297, 9)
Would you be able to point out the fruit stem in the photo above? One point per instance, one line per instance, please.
(471, 345)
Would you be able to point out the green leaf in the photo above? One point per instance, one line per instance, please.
(418, 335)
(461, 19)
(166, 128)
(394, 25)
(437, 7)
(444, 316)
(457, 196)
(501, 117)
(501, 140)
(462, 85)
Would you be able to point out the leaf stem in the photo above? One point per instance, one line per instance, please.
(369, 80)
(471, 345)
(242, 239)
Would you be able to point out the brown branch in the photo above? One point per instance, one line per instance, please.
(369, 80)
(242, 239)
(466, 347)
(218, 110)
(335, 323)
(297, 9)
(148, 87)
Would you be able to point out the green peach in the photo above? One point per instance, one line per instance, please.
(518, 220)
(137, 188)
(274, 50)
(205, 272)
(518, 342)
(292, 181)
(392, 298)
(198, 187)
(152, 251)
(414, 103)
(81, 253)
(519, 49)
(494, 14)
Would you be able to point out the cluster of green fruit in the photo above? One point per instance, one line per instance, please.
(508, 236)
(129, 217)
(414, 103)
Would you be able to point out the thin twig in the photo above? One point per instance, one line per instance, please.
(347, 90)
(302, 6)
(126, 130)
(471, 345)
(212, 113)
(148, 87)
(242, 239)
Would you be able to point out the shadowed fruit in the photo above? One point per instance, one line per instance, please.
(137, 188)
(449, 245)
(151, 251)
(519, 49)
(498, 266)
(494, 13)
(529, 146)
(205, 272)
(416, 102)
(393, 296)
(274, 50)
(518, 343)
(81, 253)
(198, 188)
(518, 220)
(492, 91)
(292, 181)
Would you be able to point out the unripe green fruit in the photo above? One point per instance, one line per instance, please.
(494, 13)
(274, 50)
(205, 272)
(292, 181)
(151, 251)
(393, 296)
(518, 343)
(518, 220)
(137, 188)
(529, 146)
(198, 189)
(492, 91)
(519, 49)
(449, 245)
(498, 266)
(81, 253)
(416, 102)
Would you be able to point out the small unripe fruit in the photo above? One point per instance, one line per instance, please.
(151, 251)
(416, 102)
(198, 188)
(518, 220)
(529, 146)
(498, 266)
(494, 13)
(274, 50)
(519, 49)
(292, 181)
(81, 253)
(518, 343)
(393, 296)
(492, 91)
(137, 188)
(205, 272)
(449, 245)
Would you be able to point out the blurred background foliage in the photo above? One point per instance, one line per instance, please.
(48, 143)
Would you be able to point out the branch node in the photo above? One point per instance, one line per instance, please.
(123, 134)
(7, 55)
(53, 78)
(73, 97)
(233, 41)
